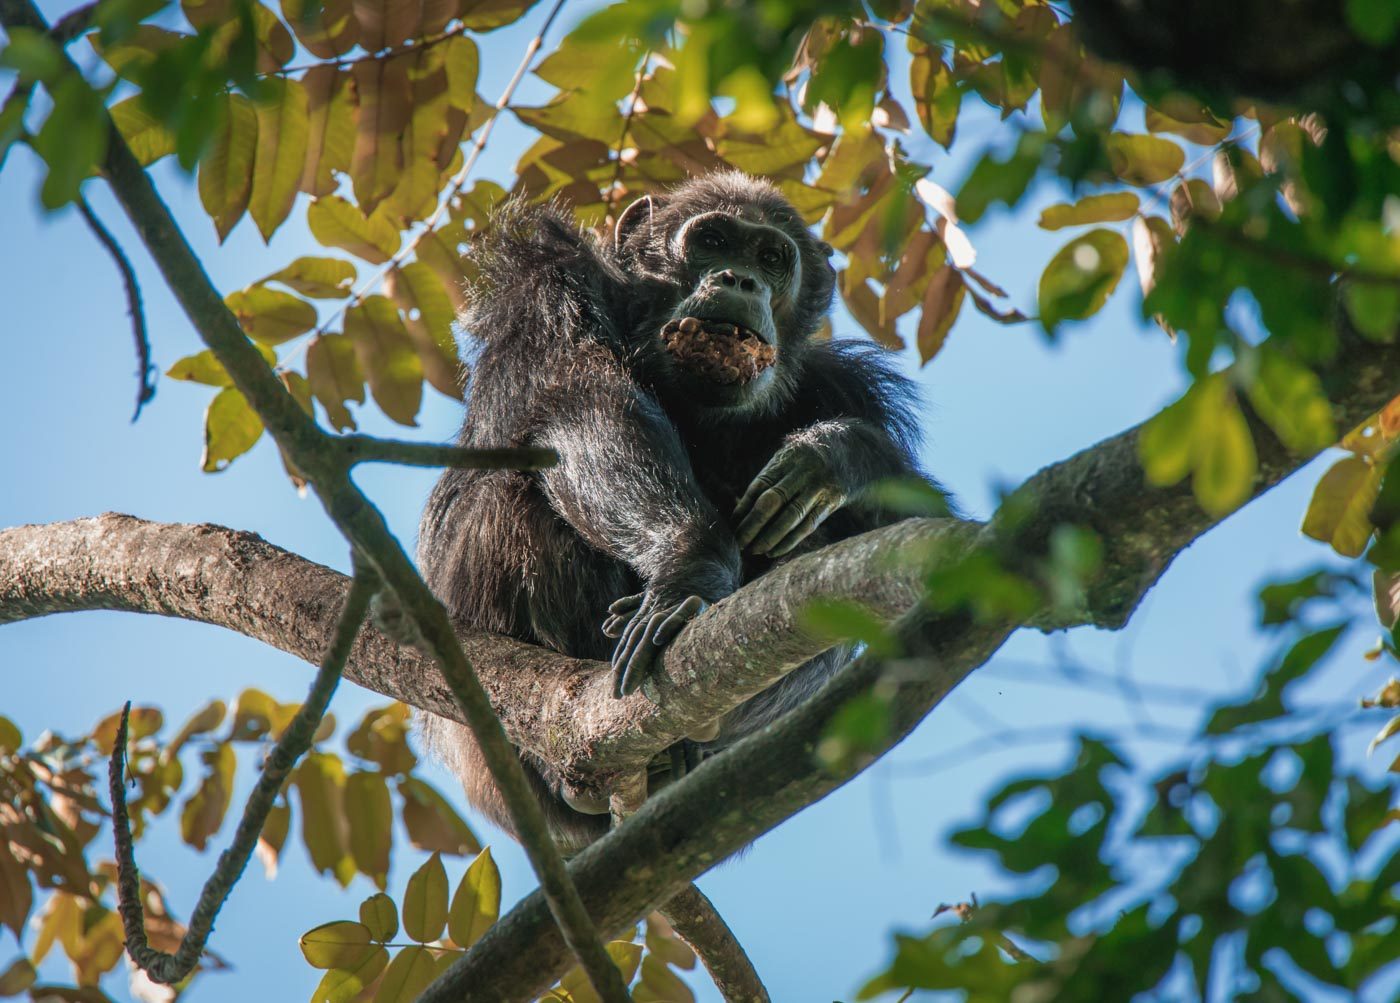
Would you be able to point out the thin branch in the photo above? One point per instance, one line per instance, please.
(368, 449)
(145, 371)
(701, 926)
(290, 747)
(326, 470)
(73, 24)
(412, 46)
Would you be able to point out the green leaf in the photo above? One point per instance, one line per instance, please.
(12, 112)
(1290, 398)
(283, 127)
(381, 916)
(1108, 208)
(231, 428)
(846, 620)
(1080, 278)
(937, 97)
(1376, 21)
(341, 944)
(269, 315)
(1224, 457)
(32, 54)
(477, 902)
(226, 171)
(148, 138)
(428, 315)
(994, 180)
(462, 67)
(1144, 160)
(327, 28)
(385, 100)
(330, 132)
(72, 140)
(412, 971)
(387, 357)
(319, 278)
(320, 783)
(334, 222)
(425, 901)
(1374, 308)
(10, 738)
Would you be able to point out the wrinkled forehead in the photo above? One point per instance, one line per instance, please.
(764, 212)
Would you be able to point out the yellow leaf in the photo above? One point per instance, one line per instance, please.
(1144, 160)
(205, 720)
(231, 428)
(1223, 451)
(659, 984)
(1340, 510)
(333, 371)
(438, 251)
(384, 97)
(18, 977)
(204, 812)
(330, 135)
(462, 68)
(477, 902)
(416, 194)
(343, 985)
(283, 127)
(143, 132)
(432, 823)
(327, 28)
(226, 171)
(425, 901)
(320, 782)
(1204, 130)
(16, 896)
(943, 298)
(1081, 276)
(428, 316)
(387, 357)
(10, 737)
(1290, 398)
(334, 222)
(1164, 446)
(341, 944)
(412, 970)
(381, 916)
(865, 308)
(319, 278)
(203, 367)
(1108, 208)
(625, 955)
(937, 97)
(370, 818)
(269, 315)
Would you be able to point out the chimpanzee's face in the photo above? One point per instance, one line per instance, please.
(740, 284)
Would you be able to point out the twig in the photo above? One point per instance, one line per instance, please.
(368, 449)
(291, 746)
(616, 182)
(145, 372)
(701, 926)
(458, 181)
(73, 24)
(382, 56)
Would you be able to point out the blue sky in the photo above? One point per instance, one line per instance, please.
(814, 901)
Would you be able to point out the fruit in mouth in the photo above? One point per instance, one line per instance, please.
(716, 350)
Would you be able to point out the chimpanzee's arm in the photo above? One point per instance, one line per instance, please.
(855, 427)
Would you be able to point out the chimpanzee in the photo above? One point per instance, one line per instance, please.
(702, 433)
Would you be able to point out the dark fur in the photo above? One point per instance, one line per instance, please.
(568, 357)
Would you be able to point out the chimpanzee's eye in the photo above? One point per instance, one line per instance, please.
(770, 257)
(711, 240)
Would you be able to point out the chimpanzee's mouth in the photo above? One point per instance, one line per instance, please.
(718, 350)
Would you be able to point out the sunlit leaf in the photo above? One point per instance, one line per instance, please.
(330, 134)
(1289, 396)
(343, 985)
(340, 944)
(327, 28)
(231, 427)
(148, 138)
(283, 127)
(226, 171)
(384, 97)
(387, 357)
(937, 98)
(370, 819)
(943, 297)
(269, 315)
(1224, 456)
(428, 317)
(1340, 510)
(431, 821)
(477, 902)
(425, 901)
(1108, 208)
(386, 24)
(412, 970)
(273, 837)
(1144, 160)
(333, 371)
(320, 782)
(381, 916)
(72, 141)
(334, 222)
(319, 278)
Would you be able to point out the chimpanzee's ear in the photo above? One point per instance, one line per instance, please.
(639, 213)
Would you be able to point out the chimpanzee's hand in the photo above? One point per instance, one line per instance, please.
(644, 624)
(791, 496)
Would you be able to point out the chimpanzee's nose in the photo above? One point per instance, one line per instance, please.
(732, 280)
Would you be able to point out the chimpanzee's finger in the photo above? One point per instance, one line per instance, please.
(613, 626)
(626, 604)
(789, 519)
(803, 530)
(692, 607)
(766, 478)
(641, 658)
